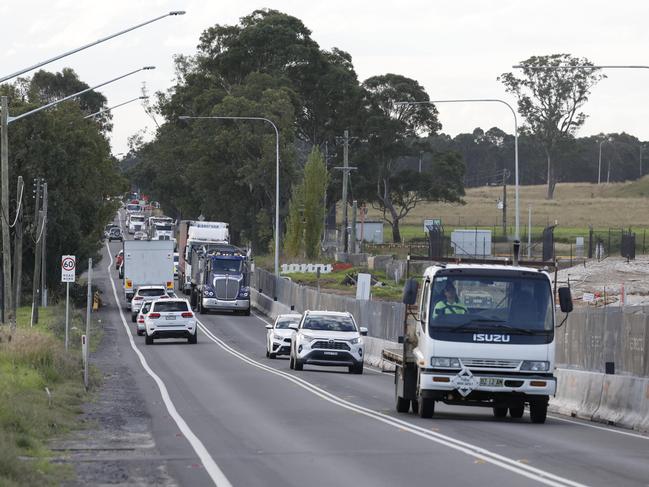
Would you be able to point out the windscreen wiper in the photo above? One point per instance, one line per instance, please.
(523, 331)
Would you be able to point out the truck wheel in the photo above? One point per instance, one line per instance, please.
(297, 364)
(538, 411)
(426, 407)
(247, 312)
(403, 404)
(290, 362)
(134, 317)
(199, 305)
(148, 340)
(500, 412)
(517, 411)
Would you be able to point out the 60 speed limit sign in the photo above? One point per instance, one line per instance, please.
(68, 268)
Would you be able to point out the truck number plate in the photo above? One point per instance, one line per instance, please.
(330, 353)
(491, 382)
(170, 317)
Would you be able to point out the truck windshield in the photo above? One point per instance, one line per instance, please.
(509, 303)
(226, 266)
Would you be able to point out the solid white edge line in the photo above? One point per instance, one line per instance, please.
(583, 423)
(212, 469)
(525, 470)
(603, 428)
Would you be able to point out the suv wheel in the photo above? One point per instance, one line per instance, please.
(193, 339)
(298, 364)
(148, 340)
(290, 362)
(500, 412)
(356, 369)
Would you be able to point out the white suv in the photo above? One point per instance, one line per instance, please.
(327, 338)
(278, 336)
(145, 294)
(170, 318)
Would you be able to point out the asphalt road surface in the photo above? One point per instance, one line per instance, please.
(224, 414)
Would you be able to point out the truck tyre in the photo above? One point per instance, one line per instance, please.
(403, 404)
(193, 339)
(500, 412)
(516, 412)
(134, 317)
(247, 312)
(199, 305)
(426, 407)
(538, 411)
(297, 364)
(415, 406)
(148, 340)
(192, 299)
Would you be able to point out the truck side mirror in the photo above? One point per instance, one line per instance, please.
(410, 292)
(565, 299)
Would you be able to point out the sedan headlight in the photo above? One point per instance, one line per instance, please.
(535, 365)
(445, 362)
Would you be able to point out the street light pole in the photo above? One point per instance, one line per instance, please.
(599, 165)
(494, 100)
(277, 233)
(5, 120)
(99, 41)
(115, 106)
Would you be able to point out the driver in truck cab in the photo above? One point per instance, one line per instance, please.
(450, 304)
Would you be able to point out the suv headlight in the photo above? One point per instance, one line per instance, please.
(278, 337)
(307, 338)
(535, 365)
(354, 341)
(445, 362)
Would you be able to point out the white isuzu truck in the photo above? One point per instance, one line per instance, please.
(147, 263)
(481, 335)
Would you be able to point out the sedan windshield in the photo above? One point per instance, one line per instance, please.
(329, 323)
(514, 303)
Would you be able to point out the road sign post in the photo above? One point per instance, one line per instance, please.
(68, 274)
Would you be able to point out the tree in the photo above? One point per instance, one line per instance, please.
(306, 209)
(550, 101)
(391, 131)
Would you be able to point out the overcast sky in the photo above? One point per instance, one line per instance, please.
(454, 48)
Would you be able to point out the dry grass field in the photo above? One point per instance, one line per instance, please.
(574, 205)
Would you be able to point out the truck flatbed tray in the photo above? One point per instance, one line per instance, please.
(394, 355)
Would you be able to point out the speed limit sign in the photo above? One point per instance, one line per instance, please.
(68, 268)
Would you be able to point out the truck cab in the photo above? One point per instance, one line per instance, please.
(221, 280)
(483, 336)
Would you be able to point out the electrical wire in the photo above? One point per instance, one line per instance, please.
(20, 202)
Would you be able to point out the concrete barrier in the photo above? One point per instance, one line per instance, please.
(619, 400)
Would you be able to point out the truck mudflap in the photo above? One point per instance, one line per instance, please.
(465, 382)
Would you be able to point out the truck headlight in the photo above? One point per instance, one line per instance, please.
(244, 292)
(535, 365)
(445, 362)
(208, 292)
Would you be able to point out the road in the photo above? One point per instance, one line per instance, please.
(232, 416)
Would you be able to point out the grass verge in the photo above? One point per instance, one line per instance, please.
(31, 360)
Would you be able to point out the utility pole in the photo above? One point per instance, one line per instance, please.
(44, 251)
(18, 243)
(37, 269)
(421, 154)
(345, 176)
(504, 202)
(7, 290)
(641, 147)
(353, 230)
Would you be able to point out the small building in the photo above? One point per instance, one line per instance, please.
(471, 243)
(370, 231)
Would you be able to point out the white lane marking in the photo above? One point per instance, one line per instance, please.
(603, 428)
(580, 423)
(472, 450)
(212, 469)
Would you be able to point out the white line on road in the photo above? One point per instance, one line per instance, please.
(528, 471)
(212, 469)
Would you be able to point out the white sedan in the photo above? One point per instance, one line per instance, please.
(170, 318)
(278, 335)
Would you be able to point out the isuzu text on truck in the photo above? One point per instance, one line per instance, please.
(484, 335)
(194, 234)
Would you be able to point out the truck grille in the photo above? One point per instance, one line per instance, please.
(226, 288)
(491, 363)
(331, 345)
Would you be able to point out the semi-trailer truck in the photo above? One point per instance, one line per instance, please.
(193, 234)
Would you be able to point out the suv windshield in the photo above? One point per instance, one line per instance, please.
(515, 303)
(165, 306)
(152, 292)
(329, 323)
(283, 323)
